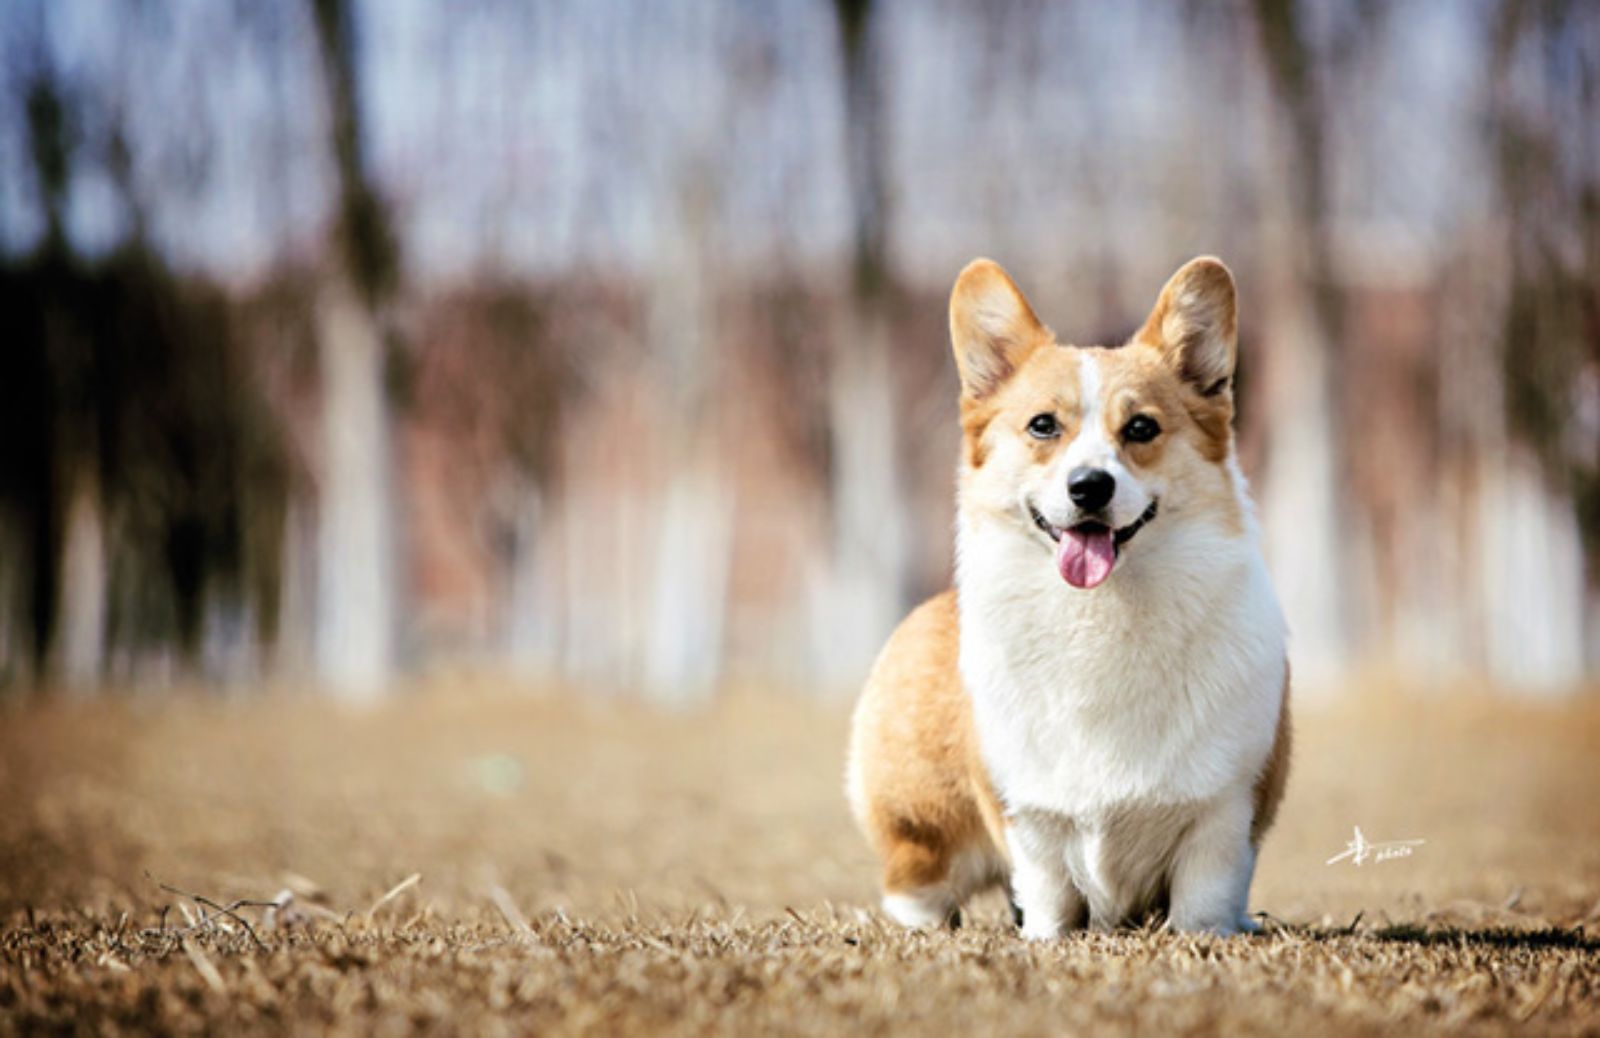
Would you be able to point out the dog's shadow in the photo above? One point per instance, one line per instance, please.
(1502, 938)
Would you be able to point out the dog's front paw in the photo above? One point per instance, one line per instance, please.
(1219, 927)
(1042, 931)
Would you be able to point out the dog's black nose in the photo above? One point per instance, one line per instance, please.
(1091, 489)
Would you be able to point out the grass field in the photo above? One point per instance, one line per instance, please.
(605, 868)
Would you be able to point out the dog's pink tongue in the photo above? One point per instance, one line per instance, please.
(1085, 559)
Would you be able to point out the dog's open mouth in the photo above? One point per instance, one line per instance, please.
(1087, 552)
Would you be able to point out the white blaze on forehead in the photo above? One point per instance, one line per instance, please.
(1090, 447)
(1093, 448)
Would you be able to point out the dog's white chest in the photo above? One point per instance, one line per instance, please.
(1160, 688)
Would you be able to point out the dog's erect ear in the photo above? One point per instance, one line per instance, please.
(1196, 324)
(992, 327)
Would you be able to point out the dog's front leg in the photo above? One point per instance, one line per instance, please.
(1050, 904)
(1212, 870)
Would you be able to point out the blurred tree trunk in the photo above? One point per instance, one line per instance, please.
(863, 589)
(68, 545)
(356, 531)
(81, 641)
(49, 142)
(689, 534)
(1308, 525)
(531, 617)
(1529, 483)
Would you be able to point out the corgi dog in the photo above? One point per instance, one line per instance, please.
(1097, 714)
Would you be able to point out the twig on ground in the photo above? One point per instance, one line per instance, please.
(508, 909)
(394, 892)
(229, 910)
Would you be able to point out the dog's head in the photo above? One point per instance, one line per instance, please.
(1084, 449)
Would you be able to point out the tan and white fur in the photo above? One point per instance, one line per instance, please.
(1098, 713)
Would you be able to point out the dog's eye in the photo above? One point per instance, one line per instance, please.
(1043, 426)
(1141, 428)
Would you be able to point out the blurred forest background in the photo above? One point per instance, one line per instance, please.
(604, 343)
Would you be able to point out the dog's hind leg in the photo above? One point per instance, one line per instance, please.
(926, 885)
(917, 884)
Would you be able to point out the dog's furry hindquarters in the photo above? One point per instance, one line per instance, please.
(916, 781)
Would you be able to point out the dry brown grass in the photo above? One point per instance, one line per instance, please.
(606, 868)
